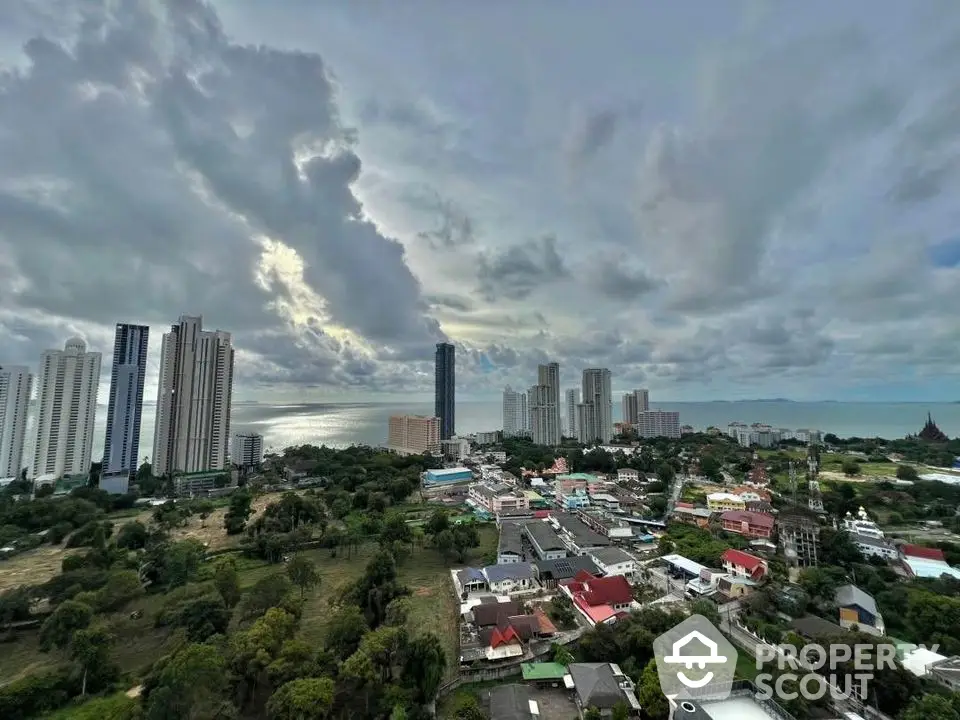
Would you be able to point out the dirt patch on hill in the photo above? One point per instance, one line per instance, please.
(33, 567)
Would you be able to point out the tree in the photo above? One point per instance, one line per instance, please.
(438, 522)
(850, 468)
(204, 617)
(304, 699)
(933, 706)
(666, 473)
(467, 707)
(443, 541)
(424, 665)
(907, 472)
(621, 711)
(561, 611)
(189, 684)
(707, 609)
(268, 592)
(58, 629)
(561, 655)
(465, 536)
(395, 529)
(203, 508)
(303, 573)
(235, 519)
(90, 648)
(344, 631)
(651, 697)
(227, 582)
(132, 536)
(592, 713)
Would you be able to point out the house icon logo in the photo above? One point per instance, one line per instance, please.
(694, 659)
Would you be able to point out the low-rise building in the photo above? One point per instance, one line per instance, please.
(628, 475)
(606, 524)
(572, 499)
(600, 599)
(741, 564)
(550, 573)
(546, 543)
(197, 483)
(721, 502)
(447, 476)
(748, 524)
(455, 448)
(579, 538)
(498, 499)
(510, 547)
(926, 562)
(471, 580)
(858, 608)
(614, 561)
(605, 501)
(603, 686)
(689, 515)
(510, 578)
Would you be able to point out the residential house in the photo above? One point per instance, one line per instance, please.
(471, 580)
(513, 702)
(546, 543)
(614, 561)
(748, 524)
(572, 499)
(926, 562)
(732, 587)
(509, 578)
(687, 514)
(602, 686)
(501, 644)
(498, 499)
(606, 501)
(579, 538)
(870, 546)
(491, 614)
(599, 599)
(722, 501)
(543, 673)
(858, 608)
(741, 564)
(552, 572)
(628, 475)
(510, 547)
(606, 524)
(947, 673)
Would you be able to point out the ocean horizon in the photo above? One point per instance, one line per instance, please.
(351, 423)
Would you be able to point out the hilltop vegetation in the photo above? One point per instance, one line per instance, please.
(330, 602)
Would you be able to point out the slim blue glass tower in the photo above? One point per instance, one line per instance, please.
(445, 394)
(121, 445)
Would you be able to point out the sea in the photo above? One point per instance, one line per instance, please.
(344, 424)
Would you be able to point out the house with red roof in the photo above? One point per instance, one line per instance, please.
(502, 644)
(749, 524)
(600, 599)
(744, 565)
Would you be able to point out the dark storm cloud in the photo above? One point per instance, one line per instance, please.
(142, 158)
(516, 271)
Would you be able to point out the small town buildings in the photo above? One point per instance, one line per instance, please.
(600, 599)
(926, 562)
(721, 502)
(858, 609)
(614, 561)
(545, 542)
(947, 673)
(579, 538)
(510, 547)
(552, 572)
(687, 514)
(543, 673)
(605, 524)
(471, 580)
(447, 476)
(628, 475)
(605, 501)
(510, 578)
(603, 686)
(572, 499)
(498, 499)
(748, 524)
(743, 565)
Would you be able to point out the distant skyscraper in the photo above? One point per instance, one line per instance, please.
(595, 421)
(66, 410)
(194, 399)
(413, 434)
(658, 423)
(247, 450)
(445, 391)
(572, 400)
(15, 384)
(634, 403)
(548, 405)
(515, 418)
(121, 446)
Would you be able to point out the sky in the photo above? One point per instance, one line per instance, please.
(723, 200)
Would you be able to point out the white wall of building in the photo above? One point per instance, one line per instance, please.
(16, 383)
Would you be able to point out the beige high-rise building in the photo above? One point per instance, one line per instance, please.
(194, 399)
(15, 385)
(543, 401)
(66, 409)
(414, 434)
(596, 420)
(634, 403)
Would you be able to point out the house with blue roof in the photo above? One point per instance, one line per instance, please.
(471, 580)
(510, 578)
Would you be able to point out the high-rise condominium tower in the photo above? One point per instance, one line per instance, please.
(194, 399)
(247, 450)
(595, 418)
(515, 413)
(121, 446)
(634, 403)
(15, 384)
(66, 409)
(572, 399)
(544, 405)
(445, 390)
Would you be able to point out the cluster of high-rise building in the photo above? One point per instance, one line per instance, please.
(586, 412)
(426, 434)
(192, 430)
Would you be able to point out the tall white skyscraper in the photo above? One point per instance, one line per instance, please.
(595, 421)
(66, 409)
(634, 403)
(194, 399)
(546, 420)
(247, 450)
(121, 445)
(15, 385)
(515, 413)
(572, 399)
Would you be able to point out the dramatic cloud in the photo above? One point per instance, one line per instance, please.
(777, 221)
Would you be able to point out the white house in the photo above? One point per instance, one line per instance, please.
(614, 561)
(511, 578)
